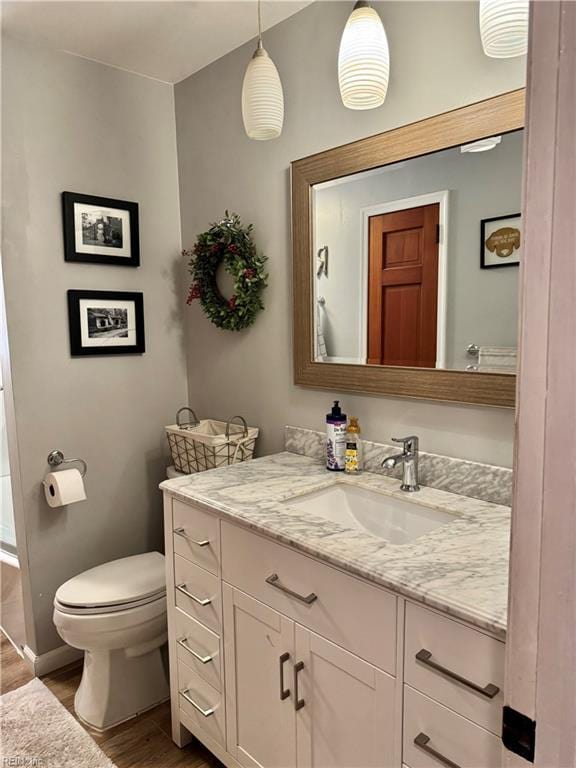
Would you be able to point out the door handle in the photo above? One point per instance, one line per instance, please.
(182, 533)
(274, 581)
(203, 659)
(298, 702)
(425, 657)
(182, 588)
(205, 712)
(284, 692)
(422, 741)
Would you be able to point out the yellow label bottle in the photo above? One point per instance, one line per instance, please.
(353, 458)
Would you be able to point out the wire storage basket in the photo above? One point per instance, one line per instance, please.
(200, 445)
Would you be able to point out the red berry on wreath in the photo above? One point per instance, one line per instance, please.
(193, 293)
(232, 302)
(249, 273)
(232, 248)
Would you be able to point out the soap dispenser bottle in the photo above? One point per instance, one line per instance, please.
(335, 438)
(354, 452)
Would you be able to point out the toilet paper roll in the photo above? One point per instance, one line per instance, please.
(64, 487)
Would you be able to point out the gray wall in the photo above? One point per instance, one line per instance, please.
(482, 303)
(437, 64)
(72, 124)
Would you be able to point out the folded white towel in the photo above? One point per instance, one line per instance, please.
(497, 359)
(321, 353)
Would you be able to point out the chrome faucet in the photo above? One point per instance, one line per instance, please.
(409, 460)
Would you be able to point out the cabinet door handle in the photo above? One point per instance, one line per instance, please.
(422, 741)
(182, 588)
(284, 692)
(184, 644)
(182, 533)
(425, 657)
(274, 581)
(298, 702)
(205, 712)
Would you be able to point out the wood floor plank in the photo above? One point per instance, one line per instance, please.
(143, 742)
(14, 672)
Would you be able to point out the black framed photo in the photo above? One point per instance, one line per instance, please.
(106, 323)
(501, 241)
(100, 230)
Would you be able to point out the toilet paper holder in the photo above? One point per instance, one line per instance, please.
(55, 458)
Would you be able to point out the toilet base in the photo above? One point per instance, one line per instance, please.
(117, 686)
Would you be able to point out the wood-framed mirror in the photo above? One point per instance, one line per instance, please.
(398, 243)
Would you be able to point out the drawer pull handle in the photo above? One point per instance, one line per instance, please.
(184, 644)
(298, 702)
(422, 741)
(182, 533)
(284, 692)
(274, 581)
(205, 712)
(490, 690)
(182, 588)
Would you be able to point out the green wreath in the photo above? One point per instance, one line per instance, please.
(230, 244)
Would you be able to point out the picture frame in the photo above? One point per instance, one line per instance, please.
(100, 230)
(106, 323)
(501, 241)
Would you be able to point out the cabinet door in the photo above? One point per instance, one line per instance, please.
(345, 717)
(259, 653)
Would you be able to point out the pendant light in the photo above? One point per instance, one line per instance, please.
(363, 59)
(504, 28)
(262, 96)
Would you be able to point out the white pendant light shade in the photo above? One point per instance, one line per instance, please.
(262, 98)
(363, 60)
(504, 28)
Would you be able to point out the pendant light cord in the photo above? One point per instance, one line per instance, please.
(259, 20)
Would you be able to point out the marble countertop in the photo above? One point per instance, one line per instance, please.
(460, 568)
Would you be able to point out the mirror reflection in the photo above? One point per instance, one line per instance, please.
(416, 264)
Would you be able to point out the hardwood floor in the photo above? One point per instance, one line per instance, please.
(143, 742)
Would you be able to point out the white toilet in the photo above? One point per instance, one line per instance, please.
(116, 614)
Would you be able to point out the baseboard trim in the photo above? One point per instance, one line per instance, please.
(54, 659)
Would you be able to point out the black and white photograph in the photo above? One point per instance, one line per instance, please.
(100, 230)
(106, 322)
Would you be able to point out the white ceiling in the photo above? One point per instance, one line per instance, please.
(166, 40)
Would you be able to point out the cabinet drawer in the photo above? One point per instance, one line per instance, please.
(203, 704)
(452, 736)
(198, 593)
(196, 536)
(461, 650)
(351, 613)
(199, 648)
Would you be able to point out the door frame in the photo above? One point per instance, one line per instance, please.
(442, 197)
(541, 643)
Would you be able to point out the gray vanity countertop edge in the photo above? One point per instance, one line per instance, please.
(460, 568)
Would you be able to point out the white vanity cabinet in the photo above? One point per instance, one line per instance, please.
(278, 659)
(294, 698)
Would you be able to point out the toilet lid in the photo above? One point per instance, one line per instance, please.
(135, 579)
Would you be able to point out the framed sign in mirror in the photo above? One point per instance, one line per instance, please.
(389, 294)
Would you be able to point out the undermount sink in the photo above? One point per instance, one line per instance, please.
(395, 520)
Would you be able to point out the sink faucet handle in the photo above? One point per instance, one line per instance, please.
(409, 443)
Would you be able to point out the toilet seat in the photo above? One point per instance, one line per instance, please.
(97, 610)
(119, 585)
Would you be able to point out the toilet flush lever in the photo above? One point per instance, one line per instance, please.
(182, 532)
